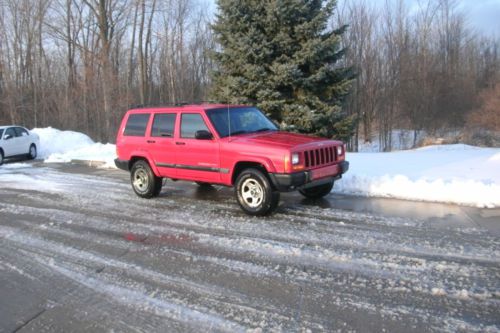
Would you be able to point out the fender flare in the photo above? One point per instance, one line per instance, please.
(265, 162)
(144, 155)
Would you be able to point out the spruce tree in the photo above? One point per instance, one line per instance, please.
(280, 56)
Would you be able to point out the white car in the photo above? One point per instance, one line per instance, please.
(17, 141)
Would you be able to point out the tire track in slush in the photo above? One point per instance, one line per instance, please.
(224, 263)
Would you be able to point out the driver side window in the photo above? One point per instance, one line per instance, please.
(190, 124)
(10, 131)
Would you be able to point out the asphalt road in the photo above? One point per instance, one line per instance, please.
(80, 252)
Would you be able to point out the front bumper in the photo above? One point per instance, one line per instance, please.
(121, 164)
(285, 182)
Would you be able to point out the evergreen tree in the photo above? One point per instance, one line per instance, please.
(280, 56)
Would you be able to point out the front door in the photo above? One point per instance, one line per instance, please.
(197, 159)
(11, 143)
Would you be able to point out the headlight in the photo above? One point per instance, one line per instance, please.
(295, 158)
(339, 150)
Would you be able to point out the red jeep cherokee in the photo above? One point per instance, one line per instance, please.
(225, 145)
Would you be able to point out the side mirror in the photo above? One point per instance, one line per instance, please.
(7, 137)
(203, 135)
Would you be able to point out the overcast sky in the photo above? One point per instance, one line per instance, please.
(483, 15)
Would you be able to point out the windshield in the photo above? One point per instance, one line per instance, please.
(1, 133)
(240, 121)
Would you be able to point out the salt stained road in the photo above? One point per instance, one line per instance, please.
(80, 252)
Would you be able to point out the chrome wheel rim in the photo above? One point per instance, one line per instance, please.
(141, 180)
(252, 193)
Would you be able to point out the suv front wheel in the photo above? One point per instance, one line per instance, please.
(255, 193)
(144, 182)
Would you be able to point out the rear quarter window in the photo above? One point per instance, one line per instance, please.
(136, 124)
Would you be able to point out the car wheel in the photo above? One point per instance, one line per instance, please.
(32, 152)
(254, 193)
(1, 157)
(144, 182)
(317, 192)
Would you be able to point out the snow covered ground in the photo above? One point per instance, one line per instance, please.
(82, 252)
(457, 174)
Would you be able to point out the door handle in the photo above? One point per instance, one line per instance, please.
(180, 143)
(151, 141)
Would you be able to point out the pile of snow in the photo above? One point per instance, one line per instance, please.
(58, 146)
(403, 139)
(457, 173)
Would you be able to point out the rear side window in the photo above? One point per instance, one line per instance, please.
(21, 131)
(192, 122)
(163, 125)
(136, 124)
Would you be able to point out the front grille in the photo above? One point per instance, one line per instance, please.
(319, 157)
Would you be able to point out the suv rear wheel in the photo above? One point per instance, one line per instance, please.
(1, 157)
(144, 182)
(254, 193)
(317, 192)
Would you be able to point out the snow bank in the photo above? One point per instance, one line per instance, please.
(457, 173)
(58, 146)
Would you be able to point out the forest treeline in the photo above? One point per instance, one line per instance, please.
(80, 64)
(420, 68)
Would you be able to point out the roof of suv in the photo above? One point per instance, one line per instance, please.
(191, 107)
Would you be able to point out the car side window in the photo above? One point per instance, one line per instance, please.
(10, 131)
(21, 131)
(136, 124)
(1, 134)
(191, 123)
(163, 125)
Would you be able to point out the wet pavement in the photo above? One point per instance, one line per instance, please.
(80, 252)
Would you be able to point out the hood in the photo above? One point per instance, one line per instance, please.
(280, 139)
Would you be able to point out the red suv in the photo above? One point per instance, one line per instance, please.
(225, 145)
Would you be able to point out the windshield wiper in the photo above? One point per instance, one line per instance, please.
(238, 132)
(264, 129)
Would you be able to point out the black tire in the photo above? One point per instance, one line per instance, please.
(32, 153)
(275, 201)
(318, 191)
(254, 193)
(144, 182)
(203, 184)
(1, 157)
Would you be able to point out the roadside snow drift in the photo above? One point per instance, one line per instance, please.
(457, 173)
(58, 146)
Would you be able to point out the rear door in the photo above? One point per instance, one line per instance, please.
(161, 144)
(23, 140)
(196, 159)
